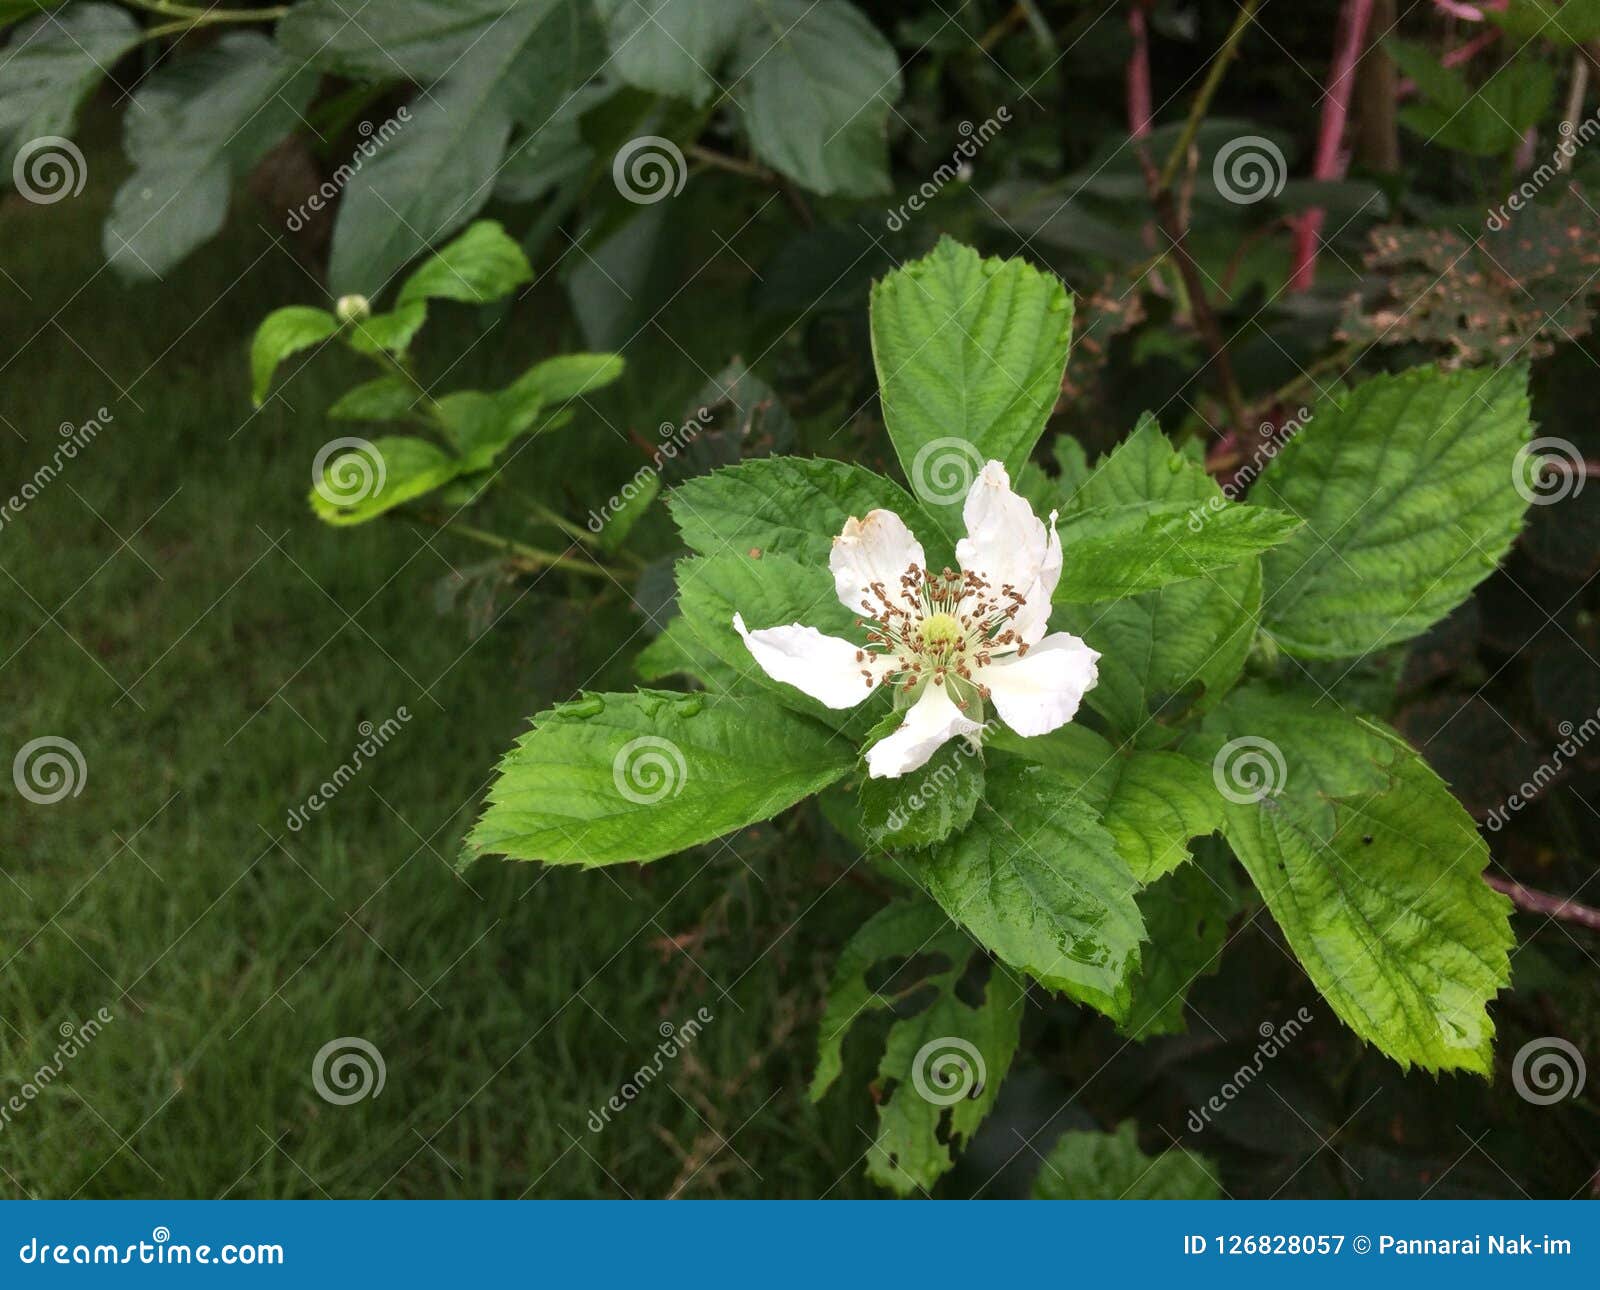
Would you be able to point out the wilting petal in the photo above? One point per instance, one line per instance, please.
(825, 667)
(1006, 542)
(930, 721)
(879, 548)
(1042, 689)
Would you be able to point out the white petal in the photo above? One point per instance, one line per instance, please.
(879, 548)
(1006, 542)
(1035, 613)
(930, 721)
(825, 667)
(1042, 689)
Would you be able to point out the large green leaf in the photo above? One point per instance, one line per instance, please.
(792, 506)
(194, 127)
(616, 777)
(1110, 1166)
(927, 805)
(365, 479)
(1406, 485)
(417, 40)
(50, 66)
(1371, 868)
(483, 264)
(1038, 880)
(950, 1055)
(970, 354)
(522, 62)
(1170, 652)
(1486, 120)
(671, 47)
(816, 82)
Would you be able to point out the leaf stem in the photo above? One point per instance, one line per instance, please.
(1542, 902)
(1208, 90)
(530, 557)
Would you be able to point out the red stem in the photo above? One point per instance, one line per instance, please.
(1139, 109)
(1542, 902)
(1330, 160)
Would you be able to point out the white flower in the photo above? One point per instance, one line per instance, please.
(949, 641)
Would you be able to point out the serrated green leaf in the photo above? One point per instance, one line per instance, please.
(816, 81)
(969, 354)
(195, 126)
(481, 265)
(671, 47)
(928, 804)
(1117, 551)
(952, 1054)
(363, 482)
(793, 506)
(1169, 653)
(1571, 22)
(282, 333)
(1038, 880)
(619, 777)
(1110, 1166)
(1372, 870)
(50, 67)
(480, 424)
(1406, 487)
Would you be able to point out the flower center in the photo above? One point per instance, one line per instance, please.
(939, 627)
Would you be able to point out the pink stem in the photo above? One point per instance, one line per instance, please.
(1139, 110)
(1330, 160)
(1541, 902)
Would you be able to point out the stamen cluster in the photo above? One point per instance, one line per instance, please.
(939, 626)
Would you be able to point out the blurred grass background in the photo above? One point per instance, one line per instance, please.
(171, 606)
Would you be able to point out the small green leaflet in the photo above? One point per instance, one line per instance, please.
(1371, 868)
(630, 777)
(282, 334)
(969, 354)
(1110, 1166)
(481, 265)
(926, 805)
(944, 1062)
(1186, 914)
(1407, 487)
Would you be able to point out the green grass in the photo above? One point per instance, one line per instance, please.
(170, 605)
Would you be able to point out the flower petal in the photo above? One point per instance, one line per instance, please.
(1041, 690)
(930, 721)
(825, 667)
(1005, 541)
(879, 548)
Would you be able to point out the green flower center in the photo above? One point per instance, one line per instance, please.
(941, 633)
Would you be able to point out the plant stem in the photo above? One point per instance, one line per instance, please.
(1208, 89)
(1542, 902)
(527, 556)
(189, 16)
